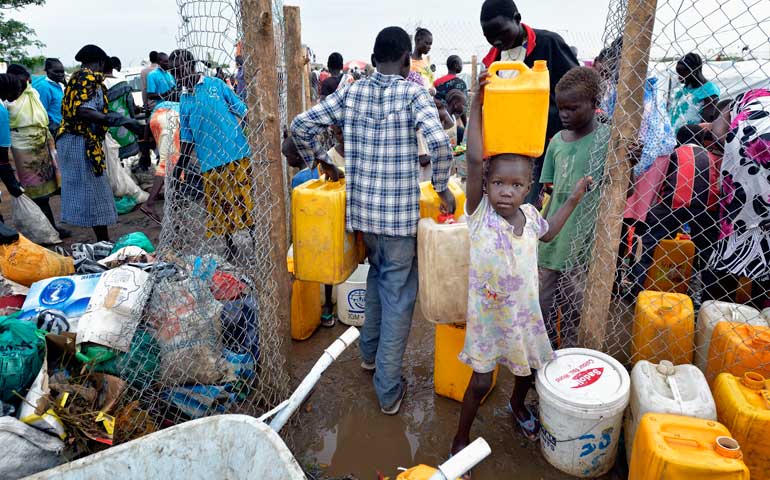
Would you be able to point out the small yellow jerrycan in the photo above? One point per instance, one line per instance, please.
(516, 109)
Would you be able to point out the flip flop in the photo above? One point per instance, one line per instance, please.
(150, 215)
(529, 427)
(328, 320)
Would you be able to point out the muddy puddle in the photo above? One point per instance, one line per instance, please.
(342, 431)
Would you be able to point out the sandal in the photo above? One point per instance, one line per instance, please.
(328, 320)
(151, 215)
(530, 427)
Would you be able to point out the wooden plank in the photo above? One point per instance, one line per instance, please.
(637, 37)
(295, 62)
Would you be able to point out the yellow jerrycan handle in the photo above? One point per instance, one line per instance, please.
(540, 66)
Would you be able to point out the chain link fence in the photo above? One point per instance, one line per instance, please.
(208, 339)
(656, 252)
(657, 226)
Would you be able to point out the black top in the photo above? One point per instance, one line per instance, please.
(330, 85)
(549, 46)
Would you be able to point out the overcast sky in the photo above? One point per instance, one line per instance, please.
(131, 28)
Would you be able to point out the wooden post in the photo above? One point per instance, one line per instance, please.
(626, 121)
(306, 79)
(474, 73)
(295, 62)
(262, 101)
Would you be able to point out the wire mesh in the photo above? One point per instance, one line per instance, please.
(648, 237)
(679, 270)
(208, 340)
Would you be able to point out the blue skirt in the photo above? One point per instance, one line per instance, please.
(86, 200)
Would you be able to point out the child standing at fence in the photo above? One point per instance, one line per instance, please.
(505, 326)
(575, 152)
(210, 119)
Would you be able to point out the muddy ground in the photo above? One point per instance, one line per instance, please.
(340, 432)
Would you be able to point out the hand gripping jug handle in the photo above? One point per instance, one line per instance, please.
(540, 65)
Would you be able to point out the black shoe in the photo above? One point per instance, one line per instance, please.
(63, 232)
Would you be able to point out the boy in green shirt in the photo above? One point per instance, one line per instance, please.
(568, 158)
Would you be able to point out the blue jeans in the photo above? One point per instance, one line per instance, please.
(391, 291)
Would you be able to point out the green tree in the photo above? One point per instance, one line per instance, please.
(16, 36)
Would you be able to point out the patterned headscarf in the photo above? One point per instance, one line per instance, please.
(83, 85)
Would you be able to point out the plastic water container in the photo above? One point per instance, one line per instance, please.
(443, 253)
(351, 298)
(713, 312)
(450, 375)
(323, 251)
(738, 348)
(305, 309)
(665, 388)
(583, 394)
(664, 328)
(672, 263)
(743, 405)
(515, 116)
(430, 203)
(673, 447)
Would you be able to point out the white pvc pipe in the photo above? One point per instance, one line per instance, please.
(310, 380)
(465, 460)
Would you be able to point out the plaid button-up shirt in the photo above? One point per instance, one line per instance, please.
(379, 117)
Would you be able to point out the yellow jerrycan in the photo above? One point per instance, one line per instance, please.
(743, 406)
(450, 376)
(323, 251)
(515, 114)
(663, 329)
(454, 468)
(673, 447)
(430, 203)
(672, 265)
(305, 304)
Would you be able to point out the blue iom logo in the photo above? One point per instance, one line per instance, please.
(357, 300)
(58, 291)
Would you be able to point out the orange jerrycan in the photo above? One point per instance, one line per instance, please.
(673, 447)
(743, 406)
(450, 375)
(515, 114)
(430, 203)
(738, 348)
(664, 328)
(323, 251)
(671, 268)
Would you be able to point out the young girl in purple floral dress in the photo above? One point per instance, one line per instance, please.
(504, 323)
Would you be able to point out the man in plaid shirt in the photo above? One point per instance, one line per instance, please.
(380, 116)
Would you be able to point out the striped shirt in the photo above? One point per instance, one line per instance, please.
(379, 117)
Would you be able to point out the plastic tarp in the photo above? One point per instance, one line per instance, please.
(26, 450)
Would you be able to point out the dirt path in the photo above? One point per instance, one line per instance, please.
(342, 430)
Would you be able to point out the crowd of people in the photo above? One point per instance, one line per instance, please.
(56, 135)
(699, 163)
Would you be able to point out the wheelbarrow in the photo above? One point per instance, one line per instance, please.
(224, 446)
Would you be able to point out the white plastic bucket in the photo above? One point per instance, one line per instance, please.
(583, 394)
(351, 298)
